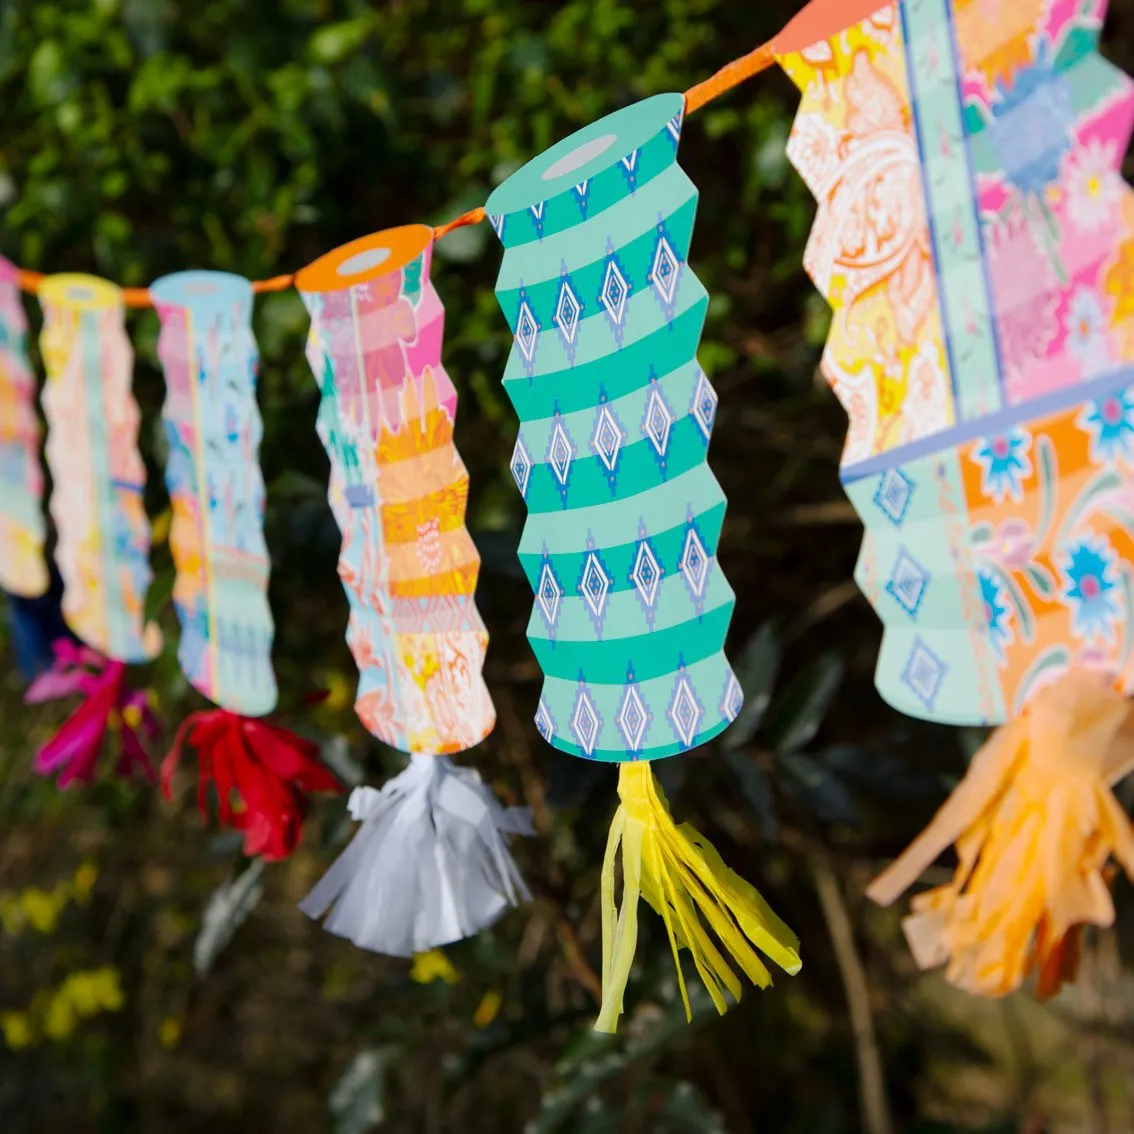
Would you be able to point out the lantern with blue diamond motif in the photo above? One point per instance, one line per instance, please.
(624, 513)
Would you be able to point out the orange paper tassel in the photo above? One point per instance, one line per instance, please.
(1034, 822)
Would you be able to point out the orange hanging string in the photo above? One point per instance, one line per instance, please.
(473, 216)
(276, 283)
(732, 75)
(729, 76)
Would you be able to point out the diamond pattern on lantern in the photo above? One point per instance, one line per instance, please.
(705, 405)
(646, 574)
(924, 673)
(607, 440)
(581, 191)
(615, 293)
(549, 596)
(567, 312)
(585, 722)
(674, 126)
(733, 700)
(594, 586)
(893, 496)
(685, 711)
(633, 719)
(521, 465)
(543, 722)
(908, 582)
(665, 272)
(695, 563)
(560, 453)
(658, 421)
(527, 332)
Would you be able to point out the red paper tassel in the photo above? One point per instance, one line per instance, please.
(262, 774)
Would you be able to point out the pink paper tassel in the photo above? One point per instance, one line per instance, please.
(108, 705)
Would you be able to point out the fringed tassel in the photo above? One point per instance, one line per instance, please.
(1034, 822)
(429, 866)
(108, 705)
(682, 876)
(262, 774)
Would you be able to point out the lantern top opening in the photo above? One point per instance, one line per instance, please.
(365, 259)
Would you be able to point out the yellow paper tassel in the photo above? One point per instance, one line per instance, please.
(1034, 822)
(682, 877)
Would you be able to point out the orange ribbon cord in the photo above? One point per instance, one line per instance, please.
(732, 75)
(473, 216)
(729, 76)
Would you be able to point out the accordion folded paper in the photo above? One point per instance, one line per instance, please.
(23, 568)
(624, 514)
(418, 874)
(213, 428)
(103, 533)
(975, 239)
(96, 469)
(398, 491)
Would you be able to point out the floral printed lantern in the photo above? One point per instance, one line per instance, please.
(974, 238)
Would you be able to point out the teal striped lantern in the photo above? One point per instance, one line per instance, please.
(624, 515)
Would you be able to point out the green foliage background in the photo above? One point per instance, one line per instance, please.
(139, 137)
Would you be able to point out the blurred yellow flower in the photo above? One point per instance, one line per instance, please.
(488, 1008)
(159, 529)
(340, 692)
(85, 878)
(59, 1020)
(431, 966)
(169, 1034)
(12, 916)
(41, 909)
(17, 1029)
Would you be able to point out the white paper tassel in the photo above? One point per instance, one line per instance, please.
(429, 866)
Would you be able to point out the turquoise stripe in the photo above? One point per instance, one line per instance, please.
(595, 340)
(590, 482)
(634, 260)
(963, 293)
(648, 656)
(667, 547)
(709, 679)
(589, 244)
(692, 493)
(678, 387)
(625, 615)
(615, 373)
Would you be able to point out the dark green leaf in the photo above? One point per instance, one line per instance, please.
(756, 669)
(806, 703)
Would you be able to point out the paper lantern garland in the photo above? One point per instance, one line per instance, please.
(430, 864)
(103, 533)
(213, 429)
(981, 345)
(624, 514)
(23, 569)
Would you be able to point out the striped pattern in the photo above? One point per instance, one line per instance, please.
(23, 569)
(398, 491)
(624, 514)
(96, 469)
(213, 428)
